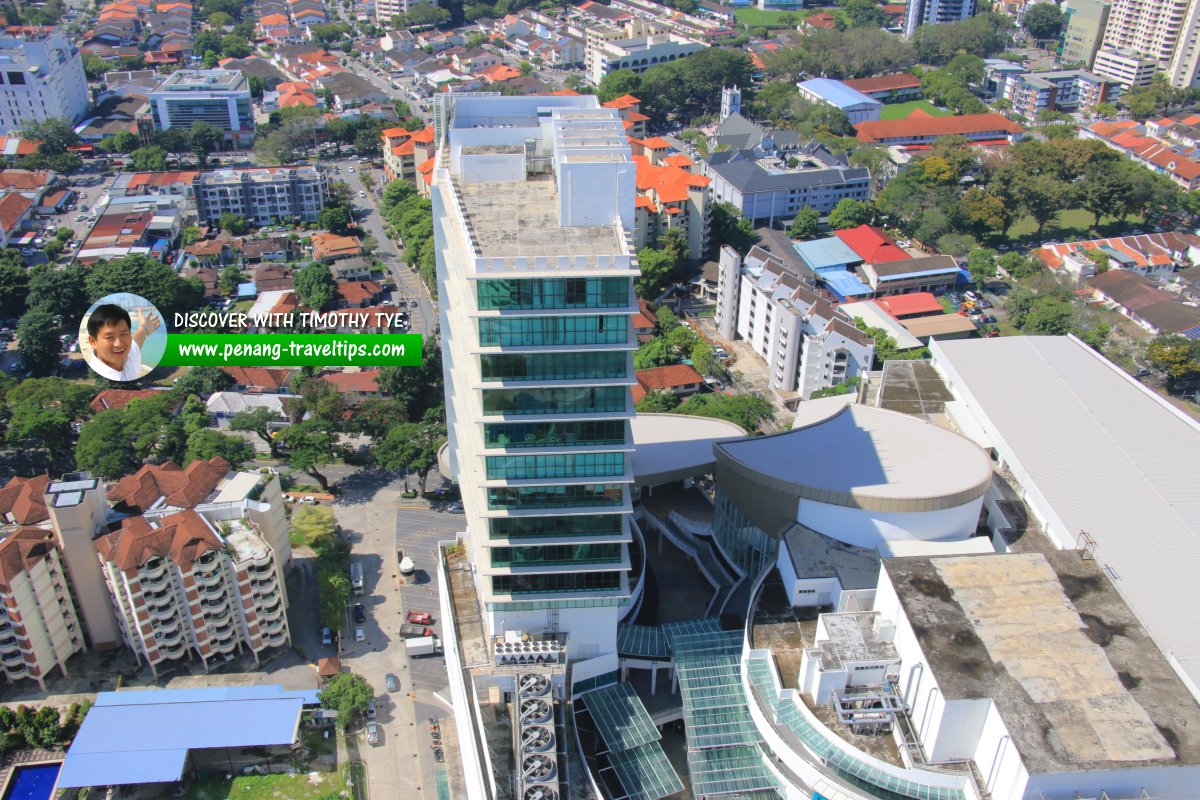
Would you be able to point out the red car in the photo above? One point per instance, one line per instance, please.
(420, 617)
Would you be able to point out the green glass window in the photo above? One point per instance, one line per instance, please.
(554, 434)
(550, 331)
(533, 497)
(554, 527)
(551, 293)
(554, 366)
(569, 582)
(571, 465)
(606, 552)
(575, 400)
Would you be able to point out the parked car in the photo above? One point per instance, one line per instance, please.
(373, 735)
(393, 683)
(326, 636)
(455, 508)
(412, 303)
(420, 617)
(372, 712)
(360, 613)
(360, 635)
(309, 500)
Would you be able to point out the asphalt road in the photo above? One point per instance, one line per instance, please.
(424, 317)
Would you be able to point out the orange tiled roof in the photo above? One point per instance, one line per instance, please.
(24, 499)
(426, 166)
(358, 291)
(667, 377)
(404, 148)
(23, 549)
(114, 399)
(23, 180)
(182, 537)
(328, 244)
(274, 19)
(366, 381)
(498, 73)
(423, 136)
(259, 377)
(624, 101)
(13, 206)
(182, 488)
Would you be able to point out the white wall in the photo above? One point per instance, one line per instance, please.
(496, 168)
(868, 528)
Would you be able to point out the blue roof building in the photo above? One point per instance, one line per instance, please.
(825, 254)
(858, 106)
(147, 735)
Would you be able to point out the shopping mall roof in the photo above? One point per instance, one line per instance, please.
(143, 736)
(864, 457)
(1109, 458)
(633, 743)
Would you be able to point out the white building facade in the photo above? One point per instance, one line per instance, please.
(216, 96)
(41, 77)
(533, 201)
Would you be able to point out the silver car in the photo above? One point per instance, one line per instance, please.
(374, 735)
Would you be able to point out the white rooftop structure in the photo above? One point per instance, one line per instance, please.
(669, 447)
(870, 312)
(1095, 452)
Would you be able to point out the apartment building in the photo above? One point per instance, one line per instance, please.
(671, 196)
(216, 96)
(634, 46)
(773, 186)
(185, 584)
(41, 77)
(264, 195)
(1034, 92)
(404, 152)
(1143, 31)
(807, 342)
(1125, 67)
(1083, 30)
(533, 204)
(39, 629)
(386, 9)
(935, 12)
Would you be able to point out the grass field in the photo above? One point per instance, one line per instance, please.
(902, 110)
(758, 18)
(309, 786)
(1072, 224)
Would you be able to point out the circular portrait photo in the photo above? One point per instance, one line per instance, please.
(122, 337)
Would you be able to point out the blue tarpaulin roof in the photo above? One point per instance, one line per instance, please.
(143, 736)
(821, 254)
(844, 283)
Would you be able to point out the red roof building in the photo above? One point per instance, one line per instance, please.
(914, 304)
(365, 382)
(23, 501)
(175, 486)
(116, 399)
(871, 244)
(681, 380)
(923, 129)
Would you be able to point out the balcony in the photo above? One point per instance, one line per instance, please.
(12, 658)
(155, 584)
(225, 645)
(218, 618)
(212, 578)
(152, 569)
(274, 625)
(275, 639)
(9, 644)
(162, 614)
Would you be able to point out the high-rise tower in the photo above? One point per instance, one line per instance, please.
(533, 201)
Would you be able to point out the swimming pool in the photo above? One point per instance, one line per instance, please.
(32, 782)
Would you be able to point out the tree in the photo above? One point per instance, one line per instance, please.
(219, 19)
(148, 277)
(94, 66)
(416, 389)
(682, 339)
(1048, 316)
(660, 401)
(981, 262)
(260, 421)
(229, 280)
(59, 291)
(747, 410)
(310, 445)
(618, 83)
(1043, 21)
(957, 244)
(656, 267)
(125, 141)
(315, 285)
(53, 135)
(411, 446)
(149, 159)
(41, 412)
(335, 219)
(704, 359)
(850, 213)
(233, 224)
(1176, 357)
(207, 443)
(806, 225)
(728, 226)
(1105, 110)
(172, 140)
(204, 138)
(14, 284)
(190, 235)
(203, 381)
(1018, 304)
(347, 693)
(865, 14)
(984, 212)
(1100, 258)
(655, 353)
(37, 341)
(54, 249)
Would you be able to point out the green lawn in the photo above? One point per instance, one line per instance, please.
(758, 18)
(902, 110)
(1071, 225)
(268, 787)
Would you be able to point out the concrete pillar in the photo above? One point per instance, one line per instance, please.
(654, 679)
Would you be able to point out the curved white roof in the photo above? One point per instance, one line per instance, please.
(846, 450)
(671, 446)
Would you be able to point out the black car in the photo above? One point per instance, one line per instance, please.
(360, 613)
